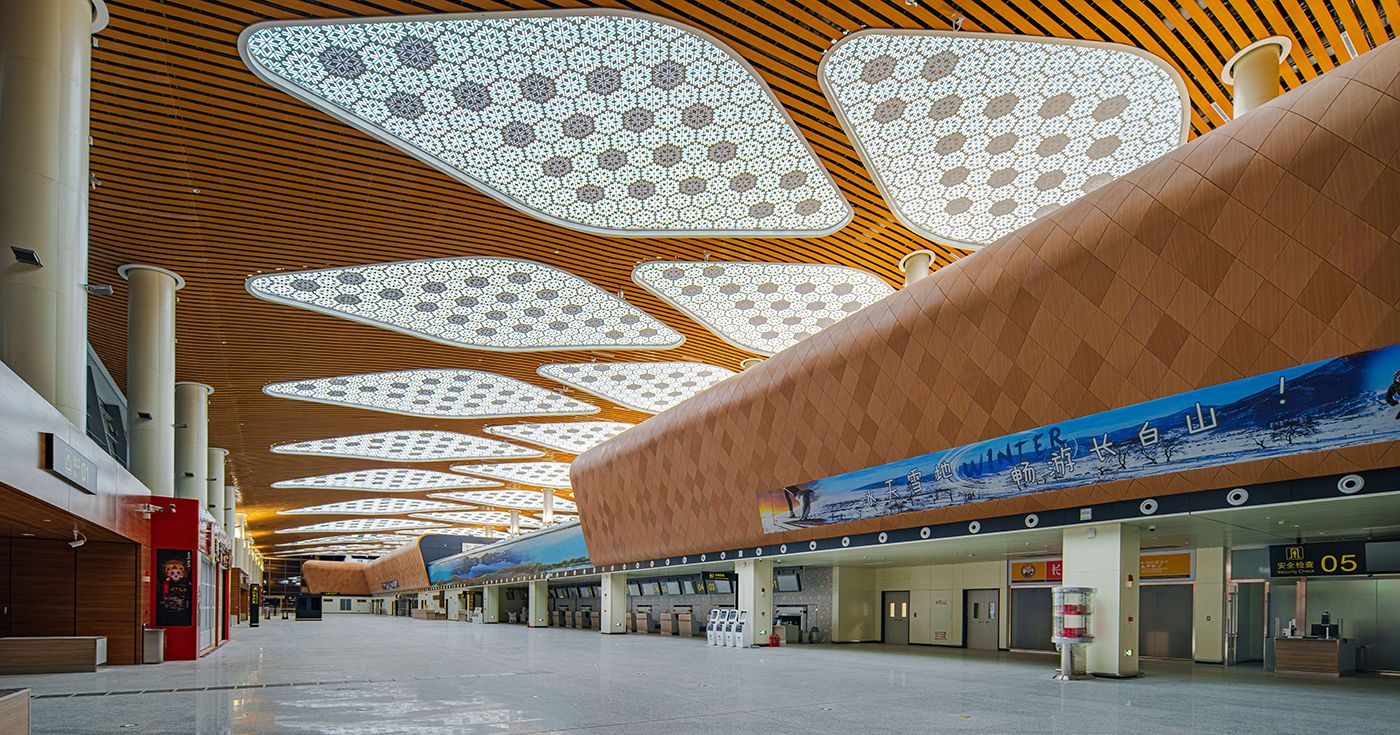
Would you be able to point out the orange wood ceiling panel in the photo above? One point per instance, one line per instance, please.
(203, 169)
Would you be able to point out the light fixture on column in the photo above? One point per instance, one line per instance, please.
(1252, 73)
(26, 256)
(917, 265)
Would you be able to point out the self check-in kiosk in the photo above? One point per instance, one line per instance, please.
(712, 628)
(741, 620)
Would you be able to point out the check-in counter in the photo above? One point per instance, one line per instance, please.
(52, 654)
(583, 619)
(668, 623)
(595, 621)
(685, 624)
(642, 621)
(1317, 656)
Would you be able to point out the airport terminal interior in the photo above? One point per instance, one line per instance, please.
(699, 366)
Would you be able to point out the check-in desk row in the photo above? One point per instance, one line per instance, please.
(681, 623)
(576, 619)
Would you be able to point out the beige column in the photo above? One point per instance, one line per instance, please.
(1105, 557)
(214, 495)
(514, 522)
(547, 517)
(539, 603)
(917, 265)
(756, 598)
(150, 374)
(1253, 73)
(228, 513)
(491, 604)
(45, 65)
(614, 604)
(1208, 606)
(192, 441)
(749, 362)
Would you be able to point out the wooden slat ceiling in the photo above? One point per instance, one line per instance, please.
(203, 169)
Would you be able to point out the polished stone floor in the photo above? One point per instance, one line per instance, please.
(362, 675)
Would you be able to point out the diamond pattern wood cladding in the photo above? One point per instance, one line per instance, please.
(403, 566)
(1268, 243)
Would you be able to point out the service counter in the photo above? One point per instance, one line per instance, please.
(1315, 656)
(14, 711)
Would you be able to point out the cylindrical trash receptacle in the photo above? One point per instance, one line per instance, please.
(153, 646)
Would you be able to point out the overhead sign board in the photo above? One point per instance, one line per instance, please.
(1335, 559)
(1156, 565)
(64, 460)
(1341, 402)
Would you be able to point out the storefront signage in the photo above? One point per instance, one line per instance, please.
(1344, 401)
(1318, 560)
(1158, 565)
(62, 459)
(174, 588)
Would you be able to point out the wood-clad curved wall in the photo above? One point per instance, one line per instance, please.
(1268, 243)
(401, 569)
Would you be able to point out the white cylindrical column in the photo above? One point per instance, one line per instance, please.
(227, 513)
(150, 374)
(214, 495)
(917, 265)
(45, 65)
(1253, 73)
(192, 441)
(547, 517)
(515, 522)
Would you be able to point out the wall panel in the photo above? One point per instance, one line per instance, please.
(107, 598)
(42, 588)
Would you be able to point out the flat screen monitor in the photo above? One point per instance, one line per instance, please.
(651, 588)
(673, 586)
(688, 587)
(721, 587)
(634, 589)
(787, 581)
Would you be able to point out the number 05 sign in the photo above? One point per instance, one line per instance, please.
(1318, 560)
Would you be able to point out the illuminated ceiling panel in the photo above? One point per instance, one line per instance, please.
(970, 136)
(409, 446)
(453, 394)
(574, 437)
(357, 538)
(485, 517)
(389, 480)
(455, 531)
(482, 303)
(521, 499)
(762, 307)
(371, 506)
(352, 549)
(535, 474)
(602, 121)
(361, 524)
(652, 387)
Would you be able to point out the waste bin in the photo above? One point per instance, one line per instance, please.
(153, 645)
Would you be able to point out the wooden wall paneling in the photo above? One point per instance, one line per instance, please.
(41, 587)
(108, 598)
(4, 587)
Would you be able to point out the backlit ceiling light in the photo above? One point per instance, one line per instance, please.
(389, 480)
(335, 549)
(409, 446)
(535, 474)
(454, 394)
(484, 517)
(603, 121)
(481, 303)
(970, 136)
(520, 499)
(371, 506)
(652, 387)
(378, 538)
(574, 437)
(455, 531)
(361, 524)
(762, 307)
